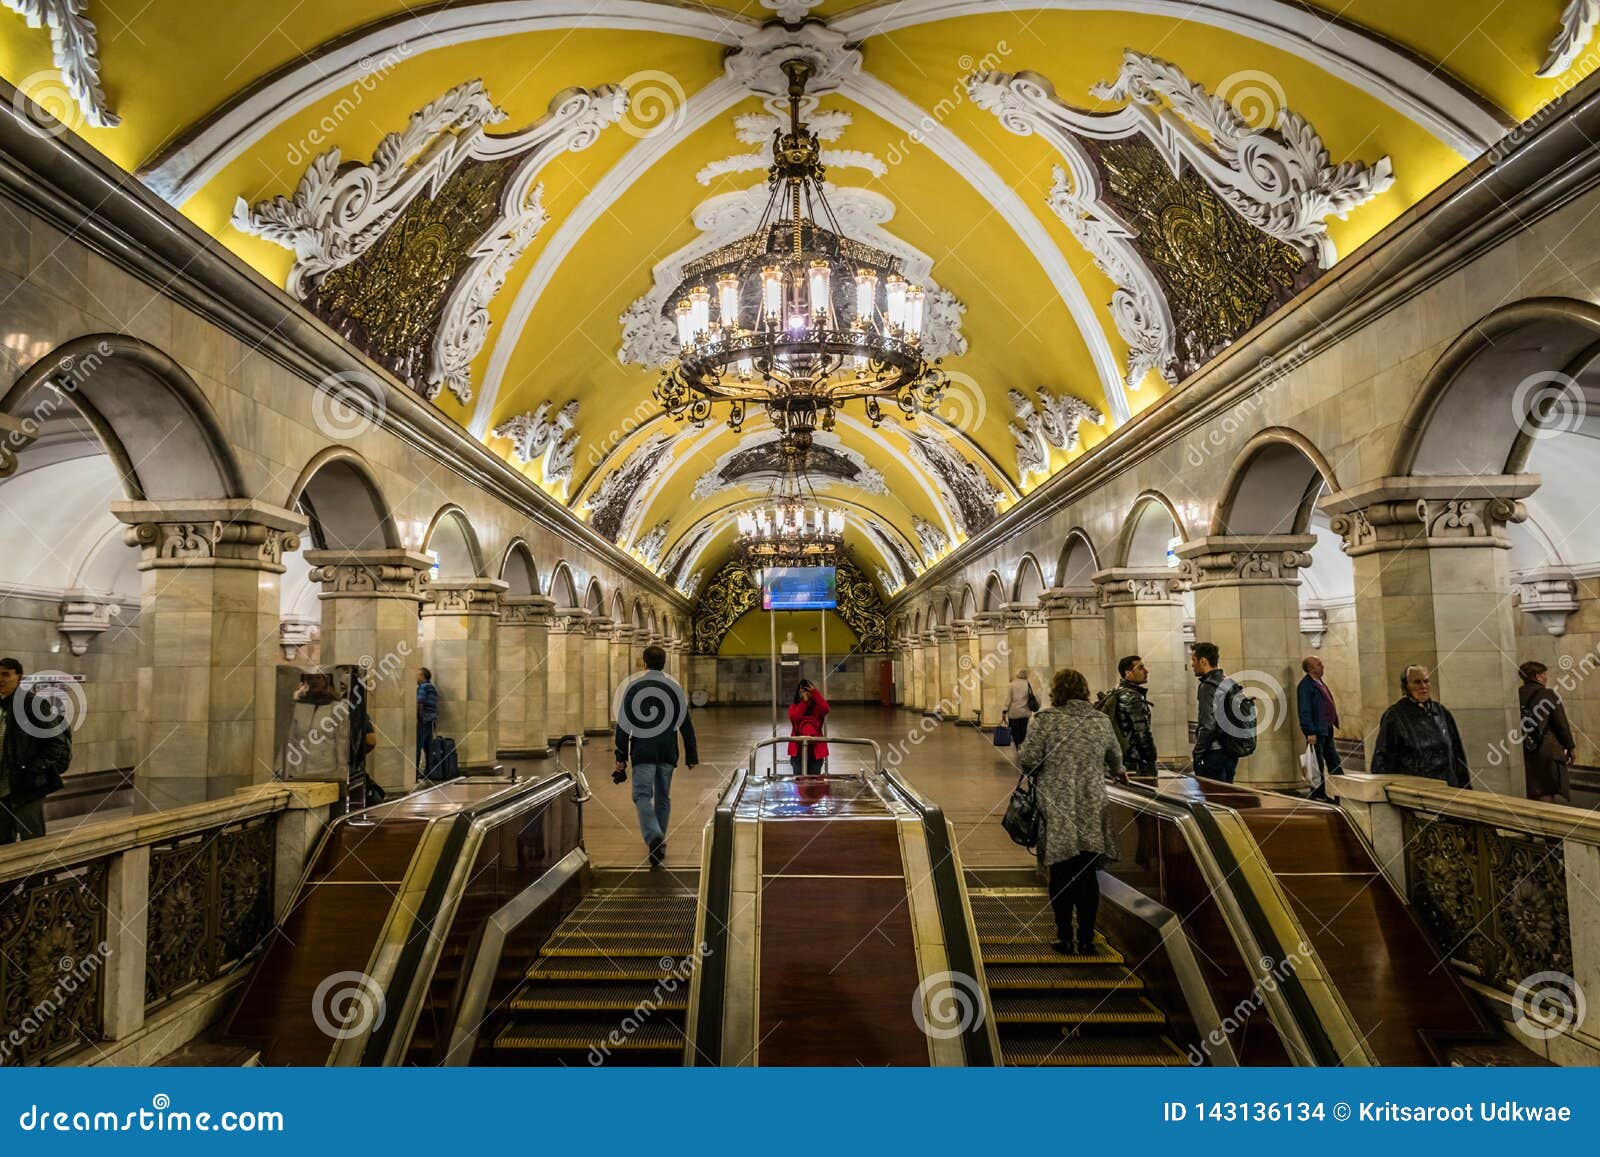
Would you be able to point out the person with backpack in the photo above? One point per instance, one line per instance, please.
(1127, 705)
(35, 749)
(1227, 718)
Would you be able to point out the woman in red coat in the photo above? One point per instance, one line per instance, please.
(806, 715)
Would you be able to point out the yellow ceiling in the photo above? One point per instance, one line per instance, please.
(168, 66)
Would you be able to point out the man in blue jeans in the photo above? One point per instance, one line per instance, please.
(652, 711)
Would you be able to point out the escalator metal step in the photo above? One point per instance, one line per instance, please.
(621, 997)
(1044, 954)
(580, 944)
(1078, 977)
(591, 1034)
(1041, 1047)
(1113, 1008)
(597, 968)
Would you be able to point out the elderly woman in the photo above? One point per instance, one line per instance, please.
(1070, 750)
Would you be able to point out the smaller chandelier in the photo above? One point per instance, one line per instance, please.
(797, 318)
(792, 528)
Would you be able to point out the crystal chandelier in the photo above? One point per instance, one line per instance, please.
(805, 318)
(792, 528)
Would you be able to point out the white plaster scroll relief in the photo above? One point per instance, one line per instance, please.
(1046, 421)
(75, 47)
(545, 436)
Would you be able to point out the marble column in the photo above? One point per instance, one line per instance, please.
(994, 667)
(1433, 583)
(567, 643)
(969, 682)
(369, 618)
(933, 678)
(949, 701)
(621, 648)
(1247, 602)
(1144, 616)
(597, 675)
(208, 644)
(1028, 637)
(523, 649)
(1075, 625)
(459, 621)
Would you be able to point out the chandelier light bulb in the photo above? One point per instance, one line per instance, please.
(771, 291)
(819, 280)
(700, 309)
(895, 290)
(685, 323)
(866, 295)
(915, 298)
(728, 301)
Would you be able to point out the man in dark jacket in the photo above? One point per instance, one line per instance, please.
(1129, 707)
(1211, 759)
(652, 712)
(427, 718)
(35, 748)
(1318, 718)
(1418, 736)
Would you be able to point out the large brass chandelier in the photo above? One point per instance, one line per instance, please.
(791, 528)
(806, 318)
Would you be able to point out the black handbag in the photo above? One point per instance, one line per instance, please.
(1022, 820)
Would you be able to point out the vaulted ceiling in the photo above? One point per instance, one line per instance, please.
(1106, 192)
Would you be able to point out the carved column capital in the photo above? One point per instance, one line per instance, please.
(370, 574)
(84, 615)
(1549, 594)
(463, 597)
(525, 610)
(990, 622)
(1428, 511)
(599, 626)
(1139, 586)
(568, 621)
(1246, 560)
(227, 533)
(624, 633)
(963, 628)
(1071, 603)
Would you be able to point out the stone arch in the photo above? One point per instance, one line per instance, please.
(994, 592)
(1273, 486)
(638, 612)
(1491, 377)
(451, 537)
(1078, 561)
(343, 504)
(151, 417)
(1029, 583)
(947, 611)
(563, 590)
(969, 603)
(1151, 523)
(518, 570)
(594, 598)
(619, 608)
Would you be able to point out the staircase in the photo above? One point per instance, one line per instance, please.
(1052, 1009)
(611, 985)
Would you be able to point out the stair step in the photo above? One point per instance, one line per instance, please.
(597, 968)
(1044, 954)
(1038, 1046)
(1074, 1009)
(1079, 977)
(633, 946)
(621, 997)
(591, 1034)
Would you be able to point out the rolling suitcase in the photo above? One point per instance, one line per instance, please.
(442, 764)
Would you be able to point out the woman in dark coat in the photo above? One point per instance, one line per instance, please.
(1547, 745)
(1069, 751)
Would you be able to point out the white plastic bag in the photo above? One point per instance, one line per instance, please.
(1310, 770)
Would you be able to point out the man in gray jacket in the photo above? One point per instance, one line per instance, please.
(652, 712)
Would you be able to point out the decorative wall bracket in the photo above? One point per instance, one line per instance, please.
(1549, 594)
(295, 633)
(86, 615)
(1313, 624)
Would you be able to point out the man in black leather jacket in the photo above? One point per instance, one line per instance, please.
(1418, 736)
(35, 748)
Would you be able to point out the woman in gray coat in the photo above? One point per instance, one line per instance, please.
(1070, 750)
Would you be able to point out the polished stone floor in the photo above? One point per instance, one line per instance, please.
(955, 767)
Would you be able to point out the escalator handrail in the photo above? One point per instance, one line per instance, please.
(961, 953)
(1307, 1022)
(405, 982)
(712, 974)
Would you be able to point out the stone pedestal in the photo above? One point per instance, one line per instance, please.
(369, 618)
(523, 649)
(1075, 626)
(208, 643)
(1432, 588)
(1144, 617)
(567, 645)
(1247, 602)
(459, 621)
(597, 676)
(994, 667)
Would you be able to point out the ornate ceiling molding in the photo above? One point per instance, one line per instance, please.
(546, 438)
(649, 336)
(759, 128)
(753, 462)
(1044, 422)
(933, 541)
(756, 64)
(964, 488)
(1421, 92)
(1278, 178)
(74, 45)
(338, 212)
(1578, 21)
(614, 510)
